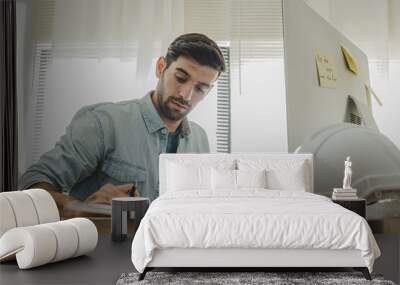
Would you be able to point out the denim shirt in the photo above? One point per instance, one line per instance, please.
(114, 143)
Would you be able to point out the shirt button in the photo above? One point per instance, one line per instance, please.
(164, 131)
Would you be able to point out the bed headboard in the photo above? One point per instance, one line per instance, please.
(231, 159)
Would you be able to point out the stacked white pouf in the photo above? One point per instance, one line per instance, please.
(31, 230)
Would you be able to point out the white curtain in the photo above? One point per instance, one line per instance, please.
(125, 29)
(374, 26)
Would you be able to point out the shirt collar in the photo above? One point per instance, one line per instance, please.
(152, 119)
(185, 128)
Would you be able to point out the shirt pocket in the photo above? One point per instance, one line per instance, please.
(122, 172)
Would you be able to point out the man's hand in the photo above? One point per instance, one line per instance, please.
(103, 196)
(61, 199)
(108, 191)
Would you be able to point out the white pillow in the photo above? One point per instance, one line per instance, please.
(251, 178)
(282, 174)
(288, 178)
(236, 179)
(183, 177)
(223, 179)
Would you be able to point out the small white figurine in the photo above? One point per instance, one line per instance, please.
(347, 174)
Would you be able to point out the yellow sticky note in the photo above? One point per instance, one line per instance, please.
(326, 69)
(369, 92)
(351, 62)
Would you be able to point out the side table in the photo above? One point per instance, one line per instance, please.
(358, 206)
(119, 214)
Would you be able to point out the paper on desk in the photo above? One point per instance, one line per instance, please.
(351, 62)
(326, 69)
(89, 208)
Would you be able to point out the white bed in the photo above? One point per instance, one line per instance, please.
(247, 210)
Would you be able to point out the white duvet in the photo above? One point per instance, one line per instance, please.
(251, 218)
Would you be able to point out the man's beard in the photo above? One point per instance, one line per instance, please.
(166, 111)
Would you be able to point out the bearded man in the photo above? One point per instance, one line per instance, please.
(109, 147)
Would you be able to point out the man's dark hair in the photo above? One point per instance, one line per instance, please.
(198, 47)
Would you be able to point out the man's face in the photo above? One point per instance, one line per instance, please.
(181, 86)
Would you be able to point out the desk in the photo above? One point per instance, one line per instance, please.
(102, 266)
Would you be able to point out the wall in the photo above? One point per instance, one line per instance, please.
(259, 111)
(311, 107)
(380, 40)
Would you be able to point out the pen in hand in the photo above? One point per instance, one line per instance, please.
(131, 193)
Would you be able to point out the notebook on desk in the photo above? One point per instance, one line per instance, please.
(103, 209)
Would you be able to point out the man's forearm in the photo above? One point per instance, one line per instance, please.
(61, 199)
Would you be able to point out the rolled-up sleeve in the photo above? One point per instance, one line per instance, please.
(74, 157)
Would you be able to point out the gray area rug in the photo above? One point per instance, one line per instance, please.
(229, 278)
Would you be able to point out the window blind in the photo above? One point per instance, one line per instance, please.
(42, 58)
(254, 28)
(223, 133)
